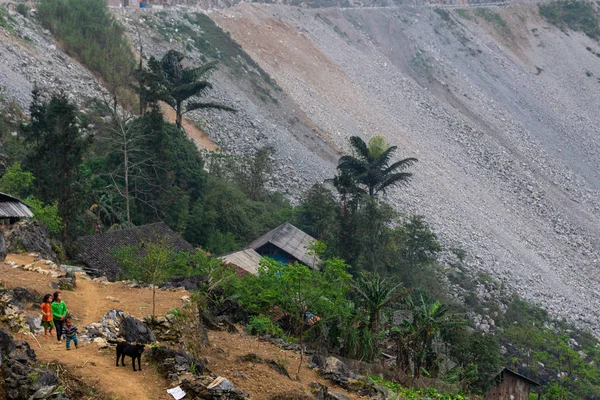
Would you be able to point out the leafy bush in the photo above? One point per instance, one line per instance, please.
(47, 214)
(262, 325)
(16, 182)
(22, 9)
(577, 15)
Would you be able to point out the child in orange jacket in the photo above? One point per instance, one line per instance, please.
(47, 322)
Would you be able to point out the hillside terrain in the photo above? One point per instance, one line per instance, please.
(91, 300)
(498, 106)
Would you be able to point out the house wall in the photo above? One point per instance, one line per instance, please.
(274, 252)
(510, 386)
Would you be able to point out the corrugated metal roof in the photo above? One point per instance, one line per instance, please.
(289, 239)
(11, 207)
(246, 259)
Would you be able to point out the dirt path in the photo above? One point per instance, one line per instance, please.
(88, 303)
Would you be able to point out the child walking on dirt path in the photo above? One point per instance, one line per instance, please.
(47, 318)
(59, 312)
(70, 332)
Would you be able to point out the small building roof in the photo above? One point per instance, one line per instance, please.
(11, 207)
(289, 239)
(518, 375)
(94, 251)
(246, 259)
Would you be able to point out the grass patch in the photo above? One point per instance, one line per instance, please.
(6, 21)
(465, 14)
(578, 15)
(495, 19)
(91, 34)
(445, 15)
(75, 387)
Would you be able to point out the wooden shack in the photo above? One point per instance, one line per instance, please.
(12, 210)
(510, 385)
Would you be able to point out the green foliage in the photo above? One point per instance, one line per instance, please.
(47, 214)
(16, 182)
(445, 15)
(495, 19)
(415, 394)
(262, 325)
(463, 13)
(89, 32)
(177, 85)
(577, 15)
(6, 21)
(56, 148)
(419, 338)
(22, 9)
(370, 169)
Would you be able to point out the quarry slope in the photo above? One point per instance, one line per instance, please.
(499, 107)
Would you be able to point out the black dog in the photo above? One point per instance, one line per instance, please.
(130, 350)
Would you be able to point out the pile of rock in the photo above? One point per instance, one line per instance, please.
(173, 364)
(165, 328)
(12, 303)
(22, 380)
(206, 387)
(116, 324)
(337, 371)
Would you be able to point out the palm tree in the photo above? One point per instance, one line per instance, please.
(177, 84)
(377, 293)
(370, 166)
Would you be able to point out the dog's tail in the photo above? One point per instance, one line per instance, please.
(114, 341)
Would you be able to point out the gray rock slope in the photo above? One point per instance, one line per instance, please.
(502, 116)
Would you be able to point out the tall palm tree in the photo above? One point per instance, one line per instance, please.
(370, 166)
(177, 84)
(377, 293)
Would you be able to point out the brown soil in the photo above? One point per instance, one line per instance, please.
(198, 136)
(88, 303)
(260, 380)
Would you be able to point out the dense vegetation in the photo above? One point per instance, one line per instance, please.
(577, 15)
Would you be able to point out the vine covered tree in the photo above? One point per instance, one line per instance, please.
(370, 167)
(178, 86)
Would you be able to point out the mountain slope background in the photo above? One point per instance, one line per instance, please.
(499, 106)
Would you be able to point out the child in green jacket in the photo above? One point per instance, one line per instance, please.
(59, 312)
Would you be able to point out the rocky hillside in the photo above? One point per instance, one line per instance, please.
(498, 105)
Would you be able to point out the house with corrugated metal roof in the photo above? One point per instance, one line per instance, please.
(286, 244)
(12, 210)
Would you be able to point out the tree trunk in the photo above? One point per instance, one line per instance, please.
(179, 114)
(127, 202)
(153, 302)
(301, 347)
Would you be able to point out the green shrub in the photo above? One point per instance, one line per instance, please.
(47, 214)
(262, 325)
(577, 15)
(22, 9)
